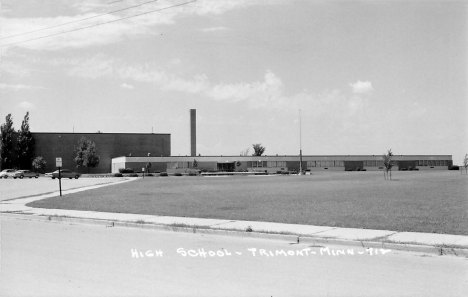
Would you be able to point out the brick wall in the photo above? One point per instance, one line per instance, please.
(108, 145)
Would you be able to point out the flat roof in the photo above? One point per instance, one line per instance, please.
(130, 133)
(230, 156)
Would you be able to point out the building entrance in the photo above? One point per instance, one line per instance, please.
(353, 165)
(228, 166)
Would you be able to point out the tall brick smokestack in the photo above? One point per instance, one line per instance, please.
(193, 132)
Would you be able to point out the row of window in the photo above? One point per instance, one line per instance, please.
(433, 163)
(374, 163)
(282, 164)
(325, 164)
(270, 164)
(256, 164)
(175, 165)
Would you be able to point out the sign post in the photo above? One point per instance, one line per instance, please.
(143, 169)
(58, 163)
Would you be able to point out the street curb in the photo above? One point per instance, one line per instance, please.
(198, 230)
(437, 250)
(441, 251)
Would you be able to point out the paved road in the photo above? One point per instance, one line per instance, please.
(14, 188)
(41, 258)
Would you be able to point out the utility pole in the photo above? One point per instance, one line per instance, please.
(300, 143)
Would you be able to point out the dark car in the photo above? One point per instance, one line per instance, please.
(64, 173)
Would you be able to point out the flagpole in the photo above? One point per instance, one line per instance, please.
(300, 143)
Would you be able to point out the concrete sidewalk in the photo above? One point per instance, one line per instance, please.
(425, 242)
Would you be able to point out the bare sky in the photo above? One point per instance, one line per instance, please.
(367, 76)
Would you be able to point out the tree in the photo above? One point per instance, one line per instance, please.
(86, 154)
(245, 152)
(388, 164)
(258, 149)
(39, 163)
(465, 164)
(6, 143)
(25, 145)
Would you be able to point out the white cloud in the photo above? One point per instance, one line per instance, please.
(335, 109)
(362, 87)
(257, 93)
(197, 84)
(26, 105)
(175, 61)
(97, 66)
(126, 86)
(82, 6)
(16, 87)
(266, 93)
(216, 7)
(213, 29)
(103, 66)
(15, 69)
(110, 32)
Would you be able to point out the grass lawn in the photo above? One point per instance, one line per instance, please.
(413, 201)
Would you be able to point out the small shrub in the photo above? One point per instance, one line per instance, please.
(133, 175)
(177, 174)
(284, 172)
(248, 229)
(163, 174)
(118, 175)
(125, 170)
(193, 173)
(149, 174)
(454, 167)
(157, 172)
(279, 172)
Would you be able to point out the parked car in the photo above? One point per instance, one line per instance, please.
(6, 173)
(64, 173)
(25, 173)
